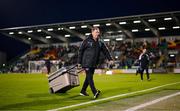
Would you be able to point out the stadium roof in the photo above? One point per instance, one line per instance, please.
(136, 26)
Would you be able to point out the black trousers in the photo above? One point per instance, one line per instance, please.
(89, 80)
(48, 69)
(142, 72)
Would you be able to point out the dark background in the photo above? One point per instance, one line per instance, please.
(15, 13)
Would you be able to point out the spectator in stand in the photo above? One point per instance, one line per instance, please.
(153, 44)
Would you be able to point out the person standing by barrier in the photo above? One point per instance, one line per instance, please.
(48, 65)
(88, 58)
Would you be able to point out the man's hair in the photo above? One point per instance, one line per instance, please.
(94, 28)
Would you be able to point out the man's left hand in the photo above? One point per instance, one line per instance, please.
(111, 62)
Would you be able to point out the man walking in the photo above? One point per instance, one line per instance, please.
(144, 64)
(88, 58)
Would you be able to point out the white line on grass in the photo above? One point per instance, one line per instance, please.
(152, 102)
(112, 97)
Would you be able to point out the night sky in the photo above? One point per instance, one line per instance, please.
(15, 13)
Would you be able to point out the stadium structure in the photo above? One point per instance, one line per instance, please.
(24, 83)
(161, 31)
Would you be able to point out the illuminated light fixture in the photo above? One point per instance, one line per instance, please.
(39, 30)
(137, 21)
(152, 20)
(30, 31)
(122, 23)
(83, 26)
(172, 55)
(108, 24)
(67, 35)
(135, 30)
(161, 28)
(19, 32)
(87, 33)
(60, 28)
(147, 29)
(119, 39)
(119, 31)
(106, 40)
(176, 27)
(29, 38)
(96, 25)
(11, 33)
(72, 27)
(50, 29)
(169, 18)
(110, 32)
(48, 37)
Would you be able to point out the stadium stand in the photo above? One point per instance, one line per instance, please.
(124, 36)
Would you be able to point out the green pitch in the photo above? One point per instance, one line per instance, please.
(31, 91)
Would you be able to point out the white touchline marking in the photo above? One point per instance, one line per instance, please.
(152, 102)
(112, 97)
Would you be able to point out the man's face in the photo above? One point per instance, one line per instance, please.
(96, 33)
(144, 51)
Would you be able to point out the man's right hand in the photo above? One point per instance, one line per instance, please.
(79, 66)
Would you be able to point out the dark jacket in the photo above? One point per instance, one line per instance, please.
(144, 62)
(48, 63)
(89, 52)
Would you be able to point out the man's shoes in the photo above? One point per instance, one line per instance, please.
(84, 94)
(97, 94)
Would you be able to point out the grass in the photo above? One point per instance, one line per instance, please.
(31, 91)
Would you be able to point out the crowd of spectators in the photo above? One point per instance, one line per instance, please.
(124, 53)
